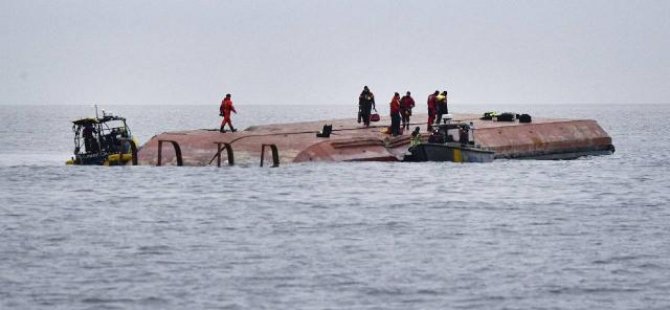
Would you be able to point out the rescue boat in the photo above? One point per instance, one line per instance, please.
(442, 146)
(453, 152)
(105, 140)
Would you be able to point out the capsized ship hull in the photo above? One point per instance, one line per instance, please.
(349, 141)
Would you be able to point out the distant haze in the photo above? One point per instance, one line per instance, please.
(323, 52)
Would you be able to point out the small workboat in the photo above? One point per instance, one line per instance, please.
(442, 146)
(106, 140)
(449, 151)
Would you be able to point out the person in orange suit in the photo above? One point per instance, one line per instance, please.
(224, 110)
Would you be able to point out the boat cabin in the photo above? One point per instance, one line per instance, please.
(96, 139)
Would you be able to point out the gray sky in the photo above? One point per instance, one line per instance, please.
(324, 52)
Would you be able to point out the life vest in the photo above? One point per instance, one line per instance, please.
(416, 140)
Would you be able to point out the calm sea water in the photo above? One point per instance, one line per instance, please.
(592, 233)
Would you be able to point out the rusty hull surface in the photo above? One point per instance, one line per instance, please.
(297, 142)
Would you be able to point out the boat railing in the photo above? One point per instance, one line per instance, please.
(177, 151)
(220, 146)
(275, 154)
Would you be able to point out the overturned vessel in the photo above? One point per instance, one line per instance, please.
(349, 141)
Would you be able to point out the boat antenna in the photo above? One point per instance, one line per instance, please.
(96, 110)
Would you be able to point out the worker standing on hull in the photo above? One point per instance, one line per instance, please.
(224, 110)
(406, 105)
(441, 106)
(366, 102)
(395, 114)
(432, 109)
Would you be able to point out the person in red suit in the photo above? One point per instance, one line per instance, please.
(395, 114)
(224, 110)
(432, 109)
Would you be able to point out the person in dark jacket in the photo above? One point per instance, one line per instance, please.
(366, 102)
(441, 104)
(395, 115)
(406, 105)
(90, 142)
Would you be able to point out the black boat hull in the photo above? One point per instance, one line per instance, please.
(448, 152)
